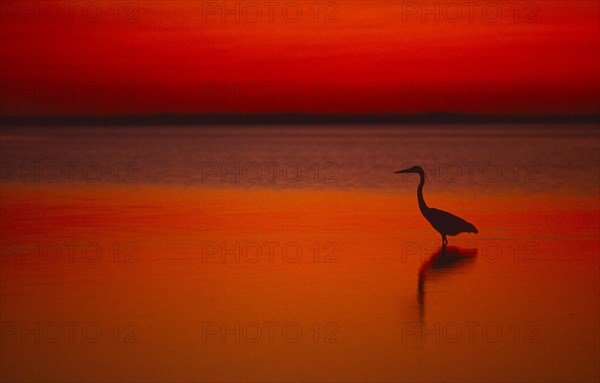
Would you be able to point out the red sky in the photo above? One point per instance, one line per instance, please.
(109, 57)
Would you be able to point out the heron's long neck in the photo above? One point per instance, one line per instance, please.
(422, 205)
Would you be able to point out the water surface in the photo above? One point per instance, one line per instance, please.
(175, 254)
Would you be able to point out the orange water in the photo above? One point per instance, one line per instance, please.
(235, 283)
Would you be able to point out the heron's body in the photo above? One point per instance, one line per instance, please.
(443, 222)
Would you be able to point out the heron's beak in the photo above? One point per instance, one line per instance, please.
(403, 171)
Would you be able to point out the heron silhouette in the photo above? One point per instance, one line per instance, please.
(442, 221)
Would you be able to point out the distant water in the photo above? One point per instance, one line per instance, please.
(528, 158)
(185, 254)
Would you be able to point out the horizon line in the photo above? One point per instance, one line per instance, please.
(294, 118)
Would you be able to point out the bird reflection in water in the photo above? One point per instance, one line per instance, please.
(440, 262)
(447, 224)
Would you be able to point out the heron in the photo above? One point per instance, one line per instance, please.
(443, 222)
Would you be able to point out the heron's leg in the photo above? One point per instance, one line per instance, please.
(444, 240)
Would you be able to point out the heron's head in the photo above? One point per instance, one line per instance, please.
(414, 169)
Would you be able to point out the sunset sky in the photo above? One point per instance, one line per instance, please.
(140, 57)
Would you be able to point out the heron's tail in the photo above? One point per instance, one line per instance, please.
(472, 228)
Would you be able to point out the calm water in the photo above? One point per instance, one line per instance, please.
(492, 158)
(295, 254)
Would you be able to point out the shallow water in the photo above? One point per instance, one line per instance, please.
(179, 263)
